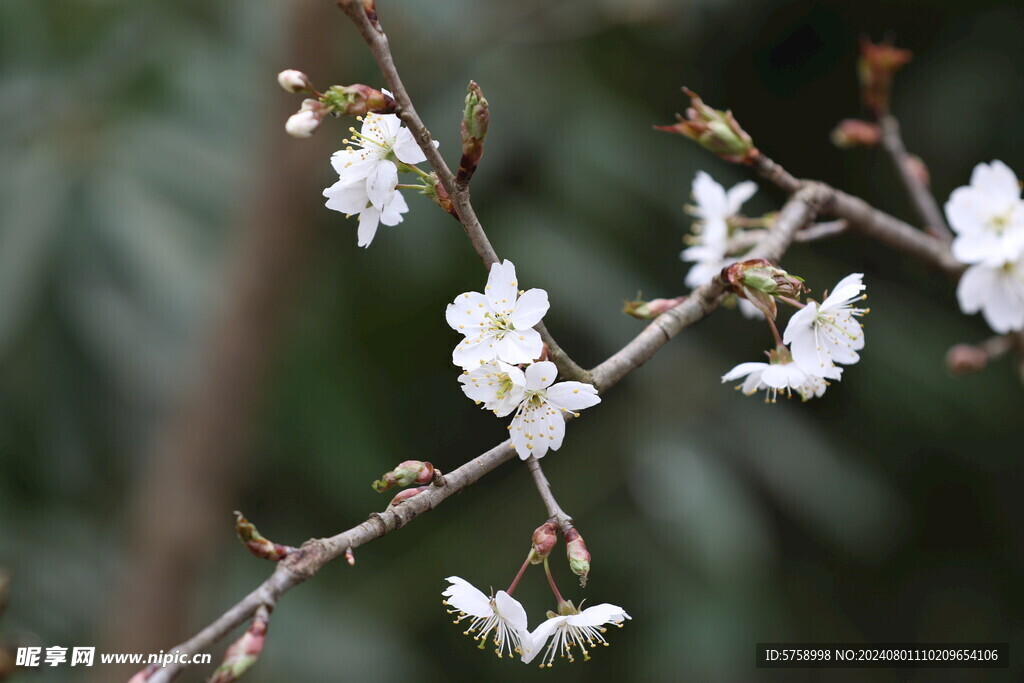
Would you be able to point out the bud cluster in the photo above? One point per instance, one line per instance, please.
(715, 130)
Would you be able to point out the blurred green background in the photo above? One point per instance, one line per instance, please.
(185, 330)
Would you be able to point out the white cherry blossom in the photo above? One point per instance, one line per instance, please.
(538, 423)
(501, 617)
(987, 216)
(780, 376)
(352, 199)
(821, 335)
(498, 386)
(997, 291)
(498, 323)
(371, 154)
(580, 630)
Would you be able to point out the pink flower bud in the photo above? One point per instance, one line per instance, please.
(294, 81)
(856, 133)
(964, 359)
(646, 310)
(579, 557)
(716, 131)
(256, 543)
(303, 123)
(407, 494)
(243, 653)
(759, 282)
(358, 99)
(405, 474)
(544, 539)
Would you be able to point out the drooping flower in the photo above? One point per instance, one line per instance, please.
(821, 335)
(574, 630)
(498, 323)
(538, 423)
(997, 291)
(498, 386)
(779, 376)
(987, 216)
(353, 199)
(501, 617)
(372, 153)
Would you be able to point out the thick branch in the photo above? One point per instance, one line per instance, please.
(922, 198)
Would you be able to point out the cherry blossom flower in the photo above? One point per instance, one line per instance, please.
(498, 323)
(579, 629)
(371, 156)
(987, 216)
(821, 335)
(779, 376)
(498, 386)
(538, 423)
(997, 291)
(352, 199)
(501, 615)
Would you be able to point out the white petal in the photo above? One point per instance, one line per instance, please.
(519, 346)
(502, 287)
(573, 395)
(381, 183)
(742, 370)
(530, 308)
(540, 375)
(368, 220)
(472, 352)
(348, 198)
(466, 598)
(392, 212)
(599, 614)
(739, 194)
(406, 149)
(510, 610)
(540, 636)
(976, 284)
(466, 313)
(997, 179)
(710, 197)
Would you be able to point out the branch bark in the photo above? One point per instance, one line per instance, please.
(920, 195)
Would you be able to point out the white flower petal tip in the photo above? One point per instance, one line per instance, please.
(500, 618)
(781, 376)
(583, 631)
(821, 335)
(987, 217)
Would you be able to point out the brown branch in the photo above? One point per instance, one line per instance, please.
(555, 510)
(377, 42)
(924, 202)
(821, 231)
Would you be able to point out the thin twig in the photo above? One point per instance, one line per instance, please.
(377, 42)
(555, 510)
(920, 195)
(821, 231)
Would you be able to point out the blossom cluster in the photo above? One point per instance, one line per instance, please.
(987, 217)
(368, 173)
(502, 618)
(817, 337)
(499, 357)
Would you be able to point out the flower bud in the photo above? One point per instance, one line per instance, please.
(475, 120)
(965, 359)
(256, 543)
(646, 310)
(407, 494)
(243, 653)
(918, 169)
(856, 133)
(579, 557)
(437, 194)
(359, 99)
(716, 131)
(759, 282)
(875, 69)
(303, 123)
(294, 81)
(544, 539)
(408, 472)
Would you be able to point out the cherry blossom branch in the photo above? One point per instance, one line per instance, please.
(924, 202)
(869, 221)
(555, 510)
(365, 19)
(821, 231)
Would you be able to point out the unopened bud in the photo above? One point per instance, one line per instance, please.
(303, 123)
(407, 494)
(544, 539)
(716, 131)
(646, 310)
(407, 473)
(475, 120)
(579, 556)
(256, 543)
(358, 99)
(856, 133)
(437, 194)
(243, 653)
(875, 69)
(294, 81)
(759, 282)
(964, 359)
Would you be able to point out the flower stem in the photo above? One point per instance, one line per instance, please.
(775, 331)
(415, 169)
(403, 186)
(791, 302)
(551, 582)
(515, 581)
